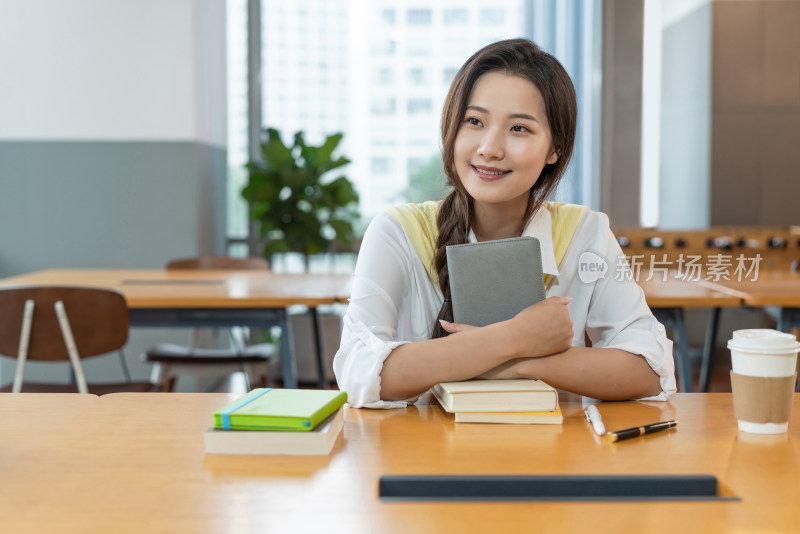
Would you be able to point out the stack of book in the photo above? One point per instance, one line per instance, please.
(523, 401)
(278, 421)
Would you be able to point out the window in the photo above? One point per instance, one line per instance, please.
(419, 17)
(382, 137)
(356, 70)
(387, 16)
(381, 165)
(455, 17)
(385, 76)
(419, 106)
(419, 48)
(238, 139)
(383, 106)
(416, 164)
(454, 46)
(417, 76)
(384, 46)
(492, 15)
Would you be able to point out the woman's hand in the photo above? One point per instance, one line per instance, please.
(454, 328)
(542, 329)
(507, 371)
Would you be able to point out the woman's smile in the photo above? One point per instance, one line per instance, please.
(489, 173)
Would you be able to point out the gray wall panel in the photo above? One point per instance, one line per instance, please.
(108, 204)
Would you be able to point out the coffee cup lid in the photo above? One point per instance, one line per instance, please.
(763, 340)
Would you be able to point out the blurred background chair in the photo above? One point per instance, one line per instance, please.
(170, 360)
(58, 324)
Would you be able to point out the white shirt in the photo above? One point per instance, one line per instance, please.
(394, 301)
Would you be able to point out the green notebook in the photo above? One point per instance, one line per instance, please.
(279, 409)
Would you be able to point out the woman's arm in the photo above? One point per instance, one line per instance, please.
(606, 374)
(600, 373)
(385, 354)
(413, 368)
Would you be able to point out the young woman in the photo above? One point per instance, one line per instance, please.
(508, 129)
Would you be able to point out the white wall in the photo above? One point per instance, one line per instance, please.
(112, 69)
(112, 142)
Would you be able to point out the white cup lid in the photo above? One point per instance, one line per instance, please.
(763, 340)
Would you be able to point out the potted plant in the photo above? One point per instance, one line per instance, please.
(297, 206)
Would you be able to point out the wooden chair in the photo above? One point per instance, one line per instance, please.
(59, 324)
(170, 360)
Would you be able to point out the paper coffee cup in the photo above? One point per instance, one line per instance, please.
(764, 370)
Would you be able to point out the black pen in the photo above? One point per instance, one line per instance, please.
(637, 431)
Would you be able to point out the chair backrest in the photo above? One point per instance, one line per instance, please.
(219, 262)
(98, 318)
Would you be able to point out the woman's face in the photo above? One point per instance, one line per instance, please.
(504, 141)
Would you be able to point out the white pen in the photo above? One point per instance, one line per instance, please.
(593, 416)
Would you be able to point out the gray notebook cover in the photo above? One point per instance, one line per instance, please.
(493, 281)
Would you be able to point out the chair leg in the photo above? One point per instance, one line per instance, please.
(169, 387)
(246, 371)
(163, 377)
(155, 374)
(69, 343)
(709, 344)
(124, 365)
(215, 383)
(263, 374)
(24, 339)
(683, 360)
(256, 375)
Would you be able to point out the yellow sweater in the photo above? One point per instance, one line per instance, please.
(419, 223)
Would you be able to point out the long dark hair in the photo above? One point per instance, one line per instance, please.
(516, 57)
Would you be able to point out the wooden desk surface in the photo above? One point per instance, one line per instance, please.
(156, 288)
(670, 293)
(772, 288)
(159, 288)
(135, 463)
(677, 293)
(28, 420)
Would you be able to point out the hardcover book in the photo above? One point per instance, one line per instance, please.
(279, 409)
(492, 281)
(521, 395)
(319, 441)
(554, 417)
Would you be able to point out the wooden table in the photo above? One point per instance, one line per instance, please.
(30, 420)
(773, 287)
(135, 463)
(176, 298)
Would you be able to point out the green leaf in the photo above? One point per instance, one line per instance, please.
(330, 144)
(276, 155)
(330, 165)
(311, 158)
(299, 141)
(344, 229)
(343, 191)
